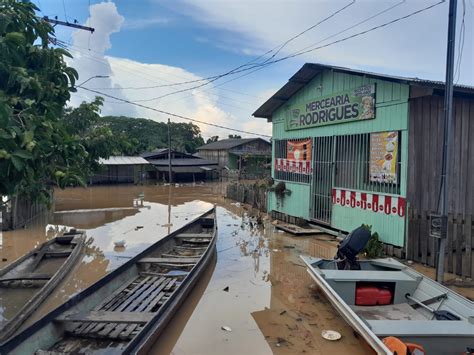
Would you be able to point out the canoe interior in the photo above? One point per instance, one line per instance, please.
(127, 303)
(26, 282)
(402, 317)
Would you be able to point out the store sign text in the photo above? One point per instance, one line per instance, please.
(350, 105)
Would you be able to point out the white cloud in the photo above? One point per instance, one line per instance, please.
(411, 47)
(138, 24)
(123, 73)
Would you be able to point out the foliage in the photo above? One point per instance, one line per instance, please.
(35, 83)
(90, 130)
(147, 135)
(212, 139)
(374, 247)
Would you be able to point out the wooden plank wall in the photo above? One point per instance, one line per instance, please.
(424, 168)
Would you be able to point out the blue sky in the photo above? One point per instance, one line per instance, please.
(146, 43)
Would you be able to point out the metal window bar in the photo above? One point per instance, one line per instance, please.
(281, 152)
(352, 165)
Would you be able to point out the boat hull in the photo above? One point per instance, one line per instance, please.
(30, 262)
(49, 333)
(401, 319)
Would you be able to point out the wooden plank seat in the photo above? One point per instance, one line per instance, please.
(188, 247)
(169, 260)
(28, 276)
(166, 255)
(57, 254)
(193, 235)
(108, 317)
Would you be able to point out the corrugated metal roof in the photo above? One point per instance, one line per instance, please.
(119, 160)
(228, 143)
(310, 70)
(183, 162)
(155, 152)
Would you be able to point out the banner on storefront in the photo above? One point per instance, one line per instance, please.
(350, 105)
(293, 166)
(383, 157)
(389, 205)
(299, 150)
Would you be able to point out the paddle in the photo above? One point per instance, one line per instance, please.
(439, 315)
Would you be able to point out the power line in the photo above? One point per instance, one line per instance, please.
(261, 65)
(172, 114)
(331, 36)
(242, 67)
(309, 29)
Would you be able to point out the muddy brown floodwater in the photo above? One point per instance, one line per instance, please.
(257, 286)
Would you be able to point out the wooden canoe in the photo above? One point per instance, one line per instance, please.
(125, 311)
(28, 281)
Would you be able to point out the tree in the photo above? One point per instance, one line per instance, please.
(86, 125)
(212, 139)
(234, 136)
(35, 82)
(149, 135)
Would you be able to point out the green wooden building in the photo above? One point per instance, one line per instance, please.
(355, 147)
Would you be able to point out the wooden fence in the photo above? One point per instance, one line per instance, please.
(423, 248)
(252, 194)
(21, 211)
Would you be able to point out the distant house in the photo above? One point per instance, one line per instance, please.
(121, 170)
(250, 155)
(184, 167)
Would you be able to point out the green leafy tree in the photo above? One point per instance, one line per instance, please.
(36, 150)
(212, 139)
(86, 125)
(147, 135)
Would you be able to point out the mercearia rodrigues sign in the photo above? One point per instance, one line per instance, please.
(389, 205)
(351, 105)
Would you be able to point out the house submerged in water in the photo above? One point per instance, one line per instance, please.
(248, 156)
(357, 147)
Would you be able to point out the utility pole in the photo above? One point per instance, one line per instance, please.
(443, 203)
(170, 178)
(68, 24)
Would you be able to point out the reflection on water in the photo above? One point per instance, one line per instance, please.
(258, 288)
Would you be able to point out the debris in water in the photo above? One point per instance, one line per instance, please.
(331, 335)
(226, 289)
(119, 243)
(275, 250)
(226, 328)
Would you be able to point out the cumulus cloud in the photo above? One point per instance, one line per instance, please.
(90, 59)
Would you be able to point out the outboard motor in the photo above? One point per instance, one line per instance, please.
(350, 246)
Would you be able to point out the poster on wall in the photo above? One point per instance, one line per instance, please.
(350, 105)
(299, 150)
(383, 157)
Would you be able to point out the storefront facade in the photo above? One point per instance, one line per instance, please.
(356, 148)
(340, 147)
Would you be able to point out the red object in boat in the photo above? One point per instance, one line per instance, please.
(372, 295)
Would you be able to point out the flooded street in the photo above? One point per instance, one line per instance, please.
(256, 286)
